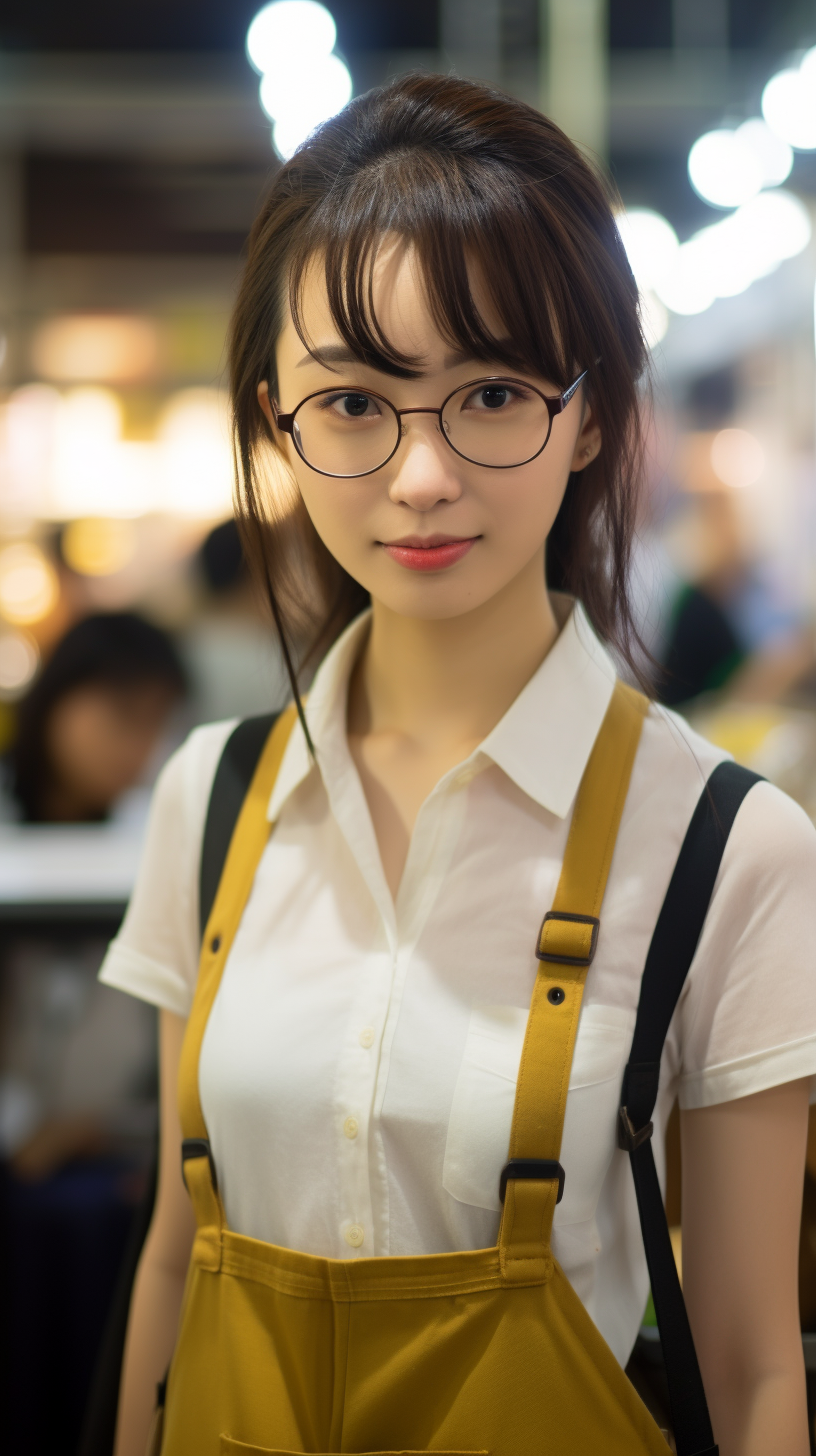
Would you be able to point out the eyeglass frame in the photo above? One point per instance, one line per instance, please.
(556, 404)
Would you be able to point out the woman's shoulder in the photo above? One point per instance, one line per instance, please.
(747, 1017)
(675, 762)
(184, 784)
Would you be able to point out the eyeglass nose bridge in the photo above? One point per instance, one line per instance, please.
(420, 410)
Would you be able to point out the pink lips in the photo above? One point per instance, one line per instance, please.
(429, 553)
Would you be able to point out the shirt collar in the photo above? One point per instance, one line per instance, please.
(544, 740)
(542, 743)
(325, 710)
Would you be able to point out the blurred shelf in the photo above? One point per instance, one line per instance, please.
(67, 876)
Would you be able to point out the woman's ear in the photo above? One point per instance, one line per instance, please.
(588, 444)
(266, 405)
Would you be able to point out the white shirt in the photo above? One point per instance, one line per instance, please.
(358, 1069)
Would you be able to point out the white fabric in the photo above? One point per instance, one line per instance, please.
(358, 1070)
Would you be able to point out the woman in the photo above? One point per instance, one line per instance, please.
(357, 1055)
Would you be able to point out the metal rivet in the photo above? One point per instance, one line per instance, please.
(215, 944)
(555, 995)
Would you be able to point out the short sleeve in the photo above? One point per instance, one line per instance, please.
(155, 954)
(747, 1018)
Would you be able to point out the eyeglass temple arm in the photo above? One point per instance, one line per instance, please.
(283, 422)
(555, 406)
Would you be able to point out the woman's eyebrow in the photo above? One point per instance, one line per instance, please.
(330, 354)
(342, 354)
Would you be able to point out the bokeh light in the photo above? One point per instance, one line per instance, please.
(775, 156)
(96, 348)
(651, 244)
(99, 546)
(196, 460)
(723, 169)
(319, 87)
(289, 28)
(726, 258)
(19, 660)
(737, 458)
(29, 589)
(789, 106)
(302, 82)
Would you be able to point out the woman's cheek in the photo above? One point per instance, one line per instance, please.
(341, 521)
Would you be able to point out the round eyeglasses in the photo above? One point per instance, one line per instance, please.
(497, 422)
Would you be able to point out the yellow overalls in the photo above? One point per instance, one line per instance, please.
(489, 1350)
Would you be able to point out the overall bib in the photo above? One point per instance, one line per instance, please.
(489, 1350)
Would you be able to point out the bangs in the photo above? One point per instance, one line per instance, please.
(462, 222)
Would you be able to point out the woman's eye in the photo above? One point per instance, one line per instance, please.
(352, 406)
(492, 397)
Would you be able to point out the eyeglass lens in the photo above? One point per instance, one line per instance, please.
(494, 422)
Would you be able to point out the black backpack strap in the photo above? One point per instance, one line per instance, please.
(233, 777)
(671, 952)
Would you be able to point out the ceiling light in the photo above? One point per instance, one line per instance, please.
(650, 242)
(302, 82)
(789, 106)
(19, 660)
(316, 88)
(737, 458)
(96, 347)
(28, 584)
(286, 28)
(723, 169)
(774, 156)
(98, 545)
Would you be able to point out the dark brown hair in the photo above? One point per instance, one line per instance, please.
(471, 178)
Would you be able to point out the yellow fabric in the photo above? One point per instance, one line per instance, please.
(485, 1351)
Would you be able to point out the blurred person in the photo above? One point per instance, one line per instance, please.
(86, 732)
(77, 1068)
(230, 652)
(731, 627)
(92, 722)
(703, 646)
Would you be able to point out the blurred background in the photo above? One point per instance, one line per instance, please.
(135, 145)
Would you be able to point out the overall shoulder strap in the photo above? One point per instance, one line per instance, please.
(533, 1180)
(237, 764)
(671, 952)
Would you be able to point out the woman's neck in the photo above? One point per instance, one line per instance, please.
(445, 683)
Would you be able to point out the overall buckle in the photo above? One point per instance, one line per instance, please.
(198, 1148)
(572, 940)
(544, 1169)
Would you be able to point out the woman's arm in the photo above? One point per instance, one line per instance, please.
(743, 1173)
(159, 1284)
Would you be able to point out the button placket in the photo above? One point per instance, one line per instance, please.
(354, 1097)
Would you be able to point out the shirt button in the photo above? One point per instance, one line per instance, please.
(367, 1036)
(350, 1127)
(354, 1236)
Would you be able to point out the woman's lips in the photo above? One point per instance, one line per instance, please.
(432, 554)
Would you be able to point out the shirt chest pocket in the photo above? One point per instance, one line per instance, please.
(482, 1109)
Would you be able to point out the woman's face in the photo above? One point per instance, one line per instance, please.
(429, 535)
(99, 739)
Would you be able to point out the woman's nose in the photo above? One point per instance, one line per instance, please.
(425, 467)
